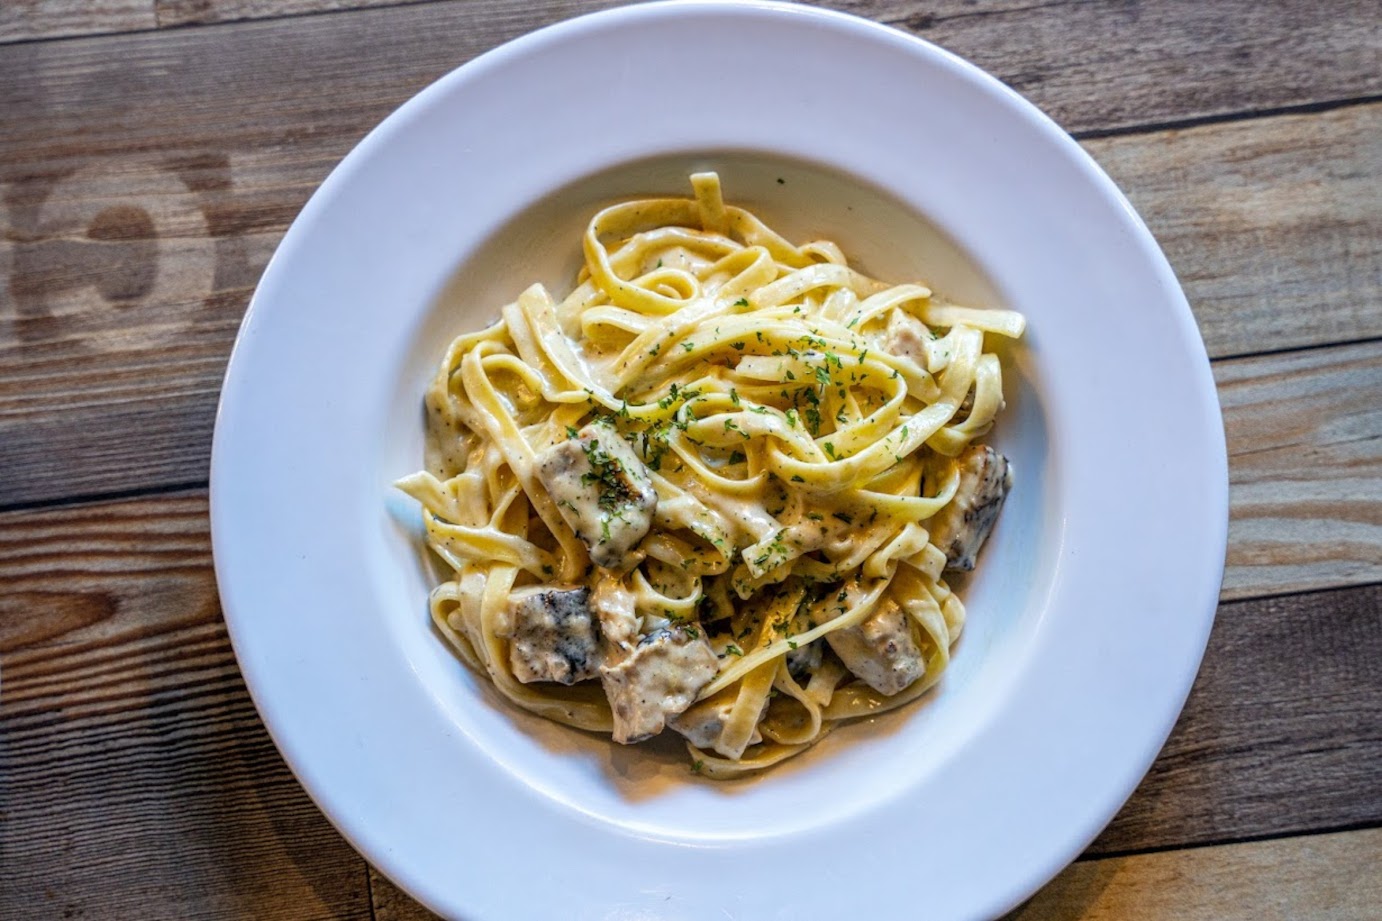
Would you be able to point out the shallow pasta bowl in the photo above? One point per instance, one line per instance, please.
(1093, 600)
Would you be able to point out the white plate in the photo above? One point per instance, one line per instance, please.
(1093, 601)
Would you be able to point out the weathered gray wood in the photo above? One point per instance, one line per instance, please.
(1099, 66)
(1274, 226)
(1321, 877)
(1095, 66)
(204, 12)
(26, 20)
(1305, 469)
(138, 781)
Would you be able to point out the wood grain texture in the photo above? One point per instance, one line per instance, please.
(136, 765)
(1274, 226)
(1329, 877)
(27, 20)
(124, 271)
(1320, 877)
(1099, 66)
(138, 781)
(1280, 734)
(1305, 469)
(204, 12)
(1151, 61)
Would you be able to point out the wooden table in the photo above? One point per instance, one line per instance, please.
(152, 153)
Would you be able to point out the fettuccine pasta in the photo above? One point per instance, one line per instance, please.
(715, 489)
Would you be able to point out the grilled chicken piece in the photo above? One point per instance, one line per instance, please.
(704, 723)
(880, 650)
(661, 678)
(961, 528)
(602, 489)
(554, 636)
(907, 337)
(804, 660)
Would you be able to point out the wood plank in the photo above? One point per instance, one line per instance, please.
(123, 706)
(1274, 226)
(1329, 877)
(123, 274)
(27, 20)
(1280, 733)
(1305, 469)
(1098, 66)
(138, 780)
(1151, 62)
(204, 12)
(1321, 877)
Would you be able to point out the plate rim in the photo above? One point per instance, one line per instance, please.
(425, 890)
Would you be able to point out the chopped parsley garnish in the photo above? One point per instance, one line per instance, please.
(607, 471)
